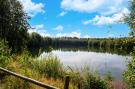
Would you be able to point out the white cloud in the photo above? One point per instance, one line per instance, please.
(40, 29)
(59, 28)
(81, 5)
(89, 6)
(86, 36)
(63, 13)
(109, 12)
(32, 8)
(111, 35)
(37, 28)
(72, 34)
(103, 20)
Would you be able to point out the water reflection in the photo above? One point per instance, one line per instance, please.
(99, 59)
(35, 52)
(101, 62)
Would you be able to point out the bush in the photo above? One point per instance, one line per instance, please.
(84, 79)
(129, 74)
(4, 54)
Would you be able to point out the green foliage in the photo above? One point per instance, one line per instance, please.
(37, 41)
(113, 45)
(84, 79)
(4, 54)
(92, 82)
(25, 60)
(13, 24)
(129, 74)
(130, 18)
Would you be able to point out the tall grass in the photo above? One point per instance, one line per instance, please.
(50, 66)
(19, 64)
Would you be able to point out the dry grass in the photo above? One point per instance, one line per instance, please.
(118, 85)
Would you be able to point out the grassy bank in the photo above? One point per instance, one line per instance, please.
(47, 70)
(51, 71)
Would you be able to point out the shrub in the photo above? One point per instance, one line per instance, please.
(129, 74)
(84, 79)
(4, 54)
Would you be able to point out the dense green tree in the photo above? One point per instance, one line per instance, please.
(13, 24)
(130, 18)
(35, 40)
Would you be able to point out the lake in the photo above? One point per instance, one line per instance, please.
(96, 61)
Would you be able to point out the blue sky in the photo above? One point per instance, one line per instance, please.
(77, 18)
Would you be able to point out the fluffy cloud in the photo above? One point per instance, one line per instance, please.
(62, 13)
(72, 34)
(103, 20)
(59, 28)
(100, 6)
(32, 8)
(40, 29)
(109, 12)
(111, 35)
(81, 5)
(86, 36)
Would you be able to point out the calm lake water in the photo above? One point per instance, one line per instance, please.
(101, 62)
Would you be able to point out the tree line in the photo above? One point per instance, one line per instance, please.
(125, 43)
(14, 30)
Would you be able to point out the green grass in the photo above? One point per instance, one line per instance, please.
(50, 66)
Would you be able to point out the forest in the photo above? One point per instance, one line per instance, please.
(125, 44)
